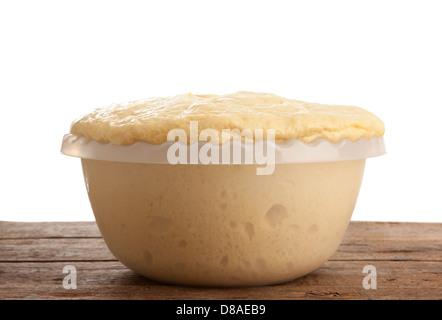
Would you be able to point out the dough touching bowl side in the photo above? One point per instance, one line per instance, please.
(222, 225)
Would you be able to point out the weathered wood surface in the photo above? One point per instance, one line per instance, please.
(407, 257)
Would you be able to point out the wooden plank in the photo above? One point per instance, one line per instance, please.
(365, 231)
(391, 241)
(359, 231)
(78, 249)
(379, 249)
(111, 280)
(33, 230)
(372, 241)
(58, 249)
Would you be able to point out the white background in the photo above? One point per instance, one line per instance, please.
(60, 59)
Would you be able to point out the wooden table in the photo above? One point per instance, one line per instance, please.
(407, 258)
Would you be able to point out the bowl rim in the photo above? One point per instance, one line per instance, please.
(290, 151)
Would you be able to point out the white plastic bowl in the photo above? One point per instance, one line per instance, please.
(223, 225)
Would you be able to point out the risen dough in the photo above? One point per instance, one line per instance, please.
(150, 120)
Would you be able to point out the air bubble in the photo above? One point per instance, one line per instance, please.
(249, 229)
(182, 244)
(313, 229)
(160, 224)
(260, 264)
(275, 215)
(224, 261)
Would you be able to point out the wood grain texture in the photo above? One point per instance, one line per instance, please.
(407, 257)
